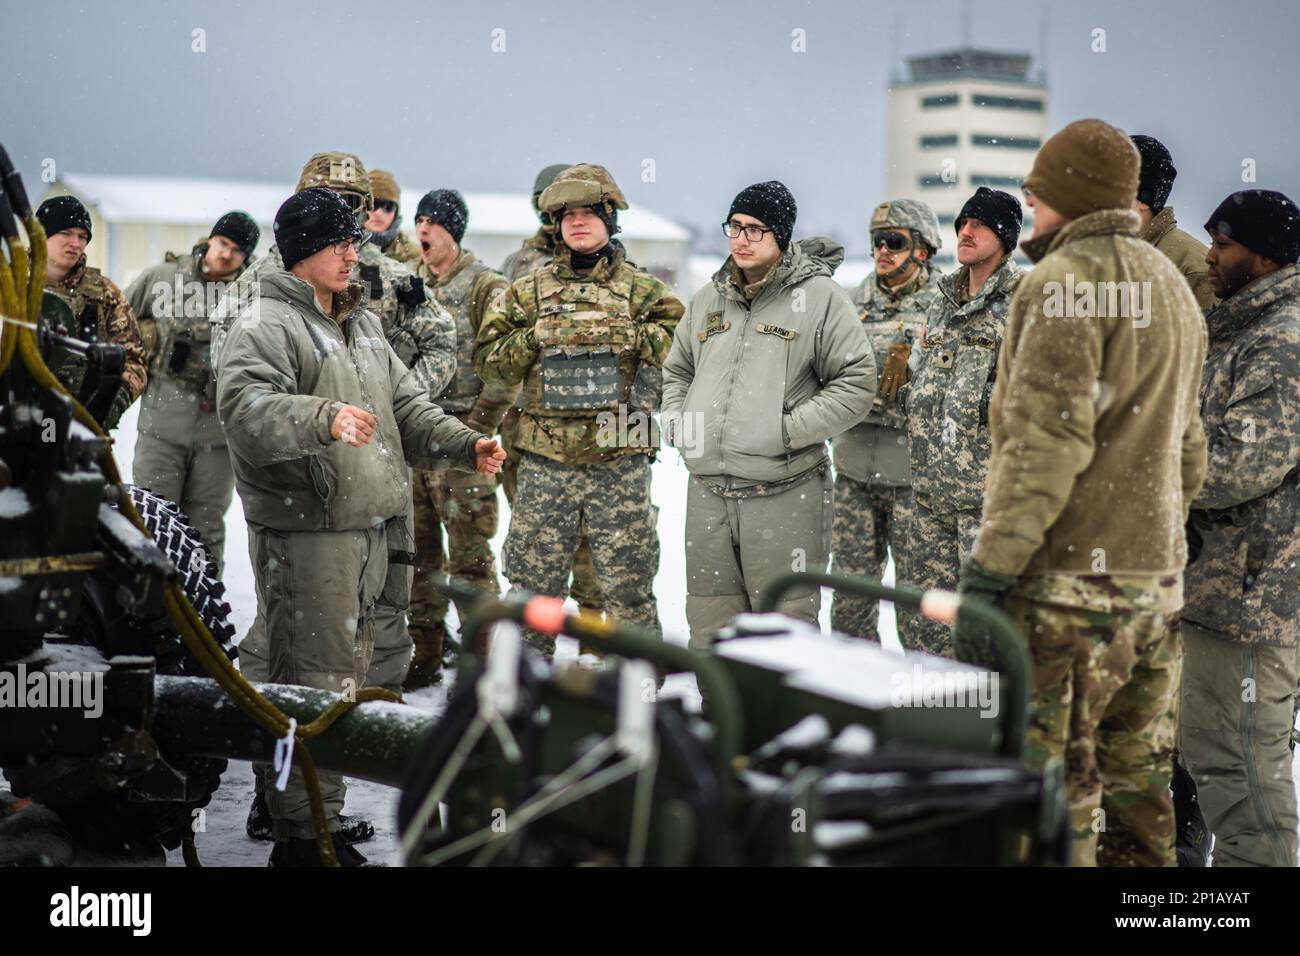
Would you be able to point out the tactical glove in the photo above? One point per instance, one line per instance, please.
(896, 373)
(121, 402)
(972, 642)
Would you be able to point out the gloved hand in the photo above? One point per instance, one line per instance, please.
(971, 642)
(896, 374)
(121, 402)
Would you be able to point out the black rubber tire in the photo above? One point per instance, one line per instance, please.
(113, 819)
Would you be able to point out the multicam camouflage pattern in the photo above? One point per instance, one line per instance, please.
(610, 500)
(1107, 664)
(909, 214)
(466, 506)
(535, 252)
(947, 400)
(100, 313)
(1243, 579)
(869, 520)
(420, 331)
(553, 320)
(341, 172)
(585, 184)
(466, 291)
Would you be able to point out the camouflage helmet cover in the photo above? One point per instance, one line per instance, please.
(582, 185)
(341, 172)
(384, 186)
(909, 214)
(545, 178)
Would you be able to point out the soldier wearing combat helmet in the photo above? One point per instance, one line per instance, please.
(873, 483)
(385, 221)
(574, 332)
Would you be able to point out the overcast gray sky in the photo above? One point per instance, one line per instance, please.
(713, 93)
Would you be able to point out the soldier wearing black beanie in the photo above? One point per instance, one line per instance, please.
(999, 211)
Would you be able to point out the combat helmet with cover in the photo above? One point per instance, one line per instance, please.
(345, 174)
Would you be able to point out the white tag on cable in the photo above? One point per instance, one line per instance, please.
(635, 734)
(498, 689)
(284, 756)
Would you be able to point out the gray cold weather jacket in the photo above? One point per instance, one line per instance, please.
(285, 367)
(753, 390)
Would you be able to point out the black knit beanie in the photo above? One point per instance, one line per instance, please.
(240, 229)
(1158, 173)
(447, 208)
(771, 204)
(309, 221)
(1262, 220)
(63, 212)
(998, 210)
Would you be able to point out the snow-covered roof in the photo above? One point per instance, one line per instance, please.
(183, 201)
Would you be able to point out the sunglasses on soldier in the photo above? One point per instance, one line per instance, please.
(385, 205)
(893, 241)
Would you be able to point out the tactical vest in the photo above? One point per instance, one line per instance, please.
(89, 323)
(184, 330)
(588, 341)
(457, 296)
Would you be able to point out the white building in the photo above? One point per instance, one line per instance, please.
(961, 119)
(138, 219)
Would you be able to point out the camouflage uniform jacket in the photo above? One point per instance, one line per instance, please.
(1097, 443)
(1244, 529)
(1185, 252)
(535, 252)
(466, 291)
(575, 342)
(171, 301)
(874, 451)
(102, 314)
(947, 400)
(420, 331)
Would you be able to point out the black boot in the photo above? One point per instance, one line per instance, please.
(1192, 835)
(305, 853)
(259, 824)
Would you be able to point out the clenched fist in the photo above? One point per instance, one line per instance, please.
(488, 456)
(356, 426)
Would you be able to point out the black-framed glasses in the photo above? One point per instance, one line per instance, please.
(386, 205)
(892, 240)
(733, 229)
(341, 248)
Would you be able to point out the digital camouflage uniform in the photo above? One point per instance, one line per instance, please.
(180, 451)
(1097, 449)
(872, 475)
(947, 409)
(101, 313)
(1242, 617)
(575, 343)
(465, 504)
(403, 250)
